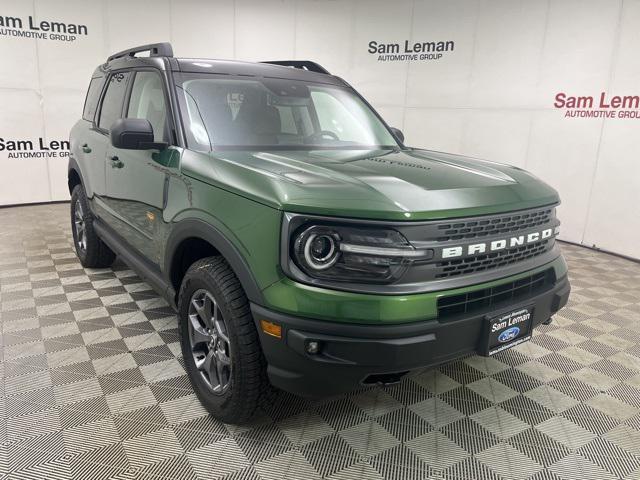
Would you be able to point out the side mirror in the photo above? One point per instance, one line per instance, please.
(134, 134)
(398, 134)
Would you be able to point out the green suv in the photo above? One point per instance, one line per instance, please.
(302, 244)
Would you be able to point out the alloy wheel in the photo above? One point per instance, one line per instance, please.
(80, 226)
(209, 341)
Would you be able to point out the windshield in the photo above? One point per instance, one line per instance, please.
(233, 113)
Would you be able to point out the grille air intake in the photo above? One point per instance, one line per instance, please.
(510, 292)
(476, 228)
(452, 268)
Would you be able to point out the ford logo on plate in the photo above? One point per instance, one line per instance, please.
(509, 334)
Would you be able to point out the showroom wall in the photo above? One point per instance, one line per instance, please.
(532, 83)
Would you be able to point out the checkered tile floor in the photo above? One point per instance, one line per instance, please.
(93, 387)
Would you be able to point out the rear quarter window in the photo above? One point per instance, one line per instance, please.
(91, 100)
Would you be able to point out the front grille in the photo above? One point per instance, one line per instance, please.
(483, 299)
(452, 268)
(476, 228)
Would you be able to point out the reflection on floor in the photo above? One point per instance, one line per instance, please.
(93, 387)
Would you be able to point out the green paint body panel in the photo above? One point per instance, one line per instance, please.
(252, 227)
(384, 185)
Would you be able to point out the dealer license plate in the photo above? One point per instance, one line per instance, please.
(507, 330)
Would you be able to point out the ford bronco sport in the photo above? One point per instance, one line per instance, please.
(302, 244)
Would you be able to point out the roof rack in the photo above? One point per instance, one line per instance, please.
(155, 50)
(301, 64)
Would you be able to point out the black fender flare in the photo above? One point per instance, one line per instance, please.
(73, 165)
(193, 227)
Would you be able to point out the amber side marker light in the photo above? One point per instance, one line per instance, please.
(271, 328)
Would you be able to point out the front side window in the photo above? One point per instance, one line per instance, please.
(221, 113)
(113, 99)
(148, 101)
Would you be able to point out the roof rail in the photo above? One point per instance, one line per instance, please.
(301, 64)
(155, 50)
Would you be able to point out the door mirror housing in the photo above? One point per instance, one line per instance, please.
(398, 134)
(134, 134)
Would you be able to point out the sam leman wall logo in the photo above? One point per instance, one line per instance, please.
(410, 51)
(41, 29)
(601, 106)
(22, 148)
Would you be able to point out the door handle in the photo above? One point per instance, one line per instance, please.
(86, 148)
(116, 162)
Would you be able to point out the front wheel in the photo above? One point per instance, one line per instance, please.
(219, 341)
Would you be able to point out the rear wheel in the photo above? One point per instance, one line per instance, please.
(219, 341)
(92, 252)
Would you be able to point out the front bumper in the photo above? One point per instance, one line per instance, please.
(355, 354)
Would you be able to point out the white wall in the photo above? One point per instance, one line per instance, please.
(492, 97)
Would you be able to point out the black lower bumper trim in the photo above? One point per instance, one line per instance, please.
(348, 354)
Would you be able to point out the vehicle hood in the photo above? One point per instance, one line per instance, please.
(407, 184)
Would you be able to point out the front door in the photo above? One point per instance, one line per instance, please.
(137, 180)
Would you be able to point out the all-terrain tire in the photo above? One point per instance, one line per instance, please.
(93, 253)
(247, 380)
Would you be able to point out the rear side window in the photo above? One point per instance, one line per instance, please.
(93, 95)
(111, 109)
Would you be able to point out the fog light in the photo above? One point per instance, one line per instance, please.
(313, 347)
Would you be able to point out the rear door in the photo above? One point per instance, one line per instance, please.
(90, 146)
(98, 141)
(138, 180)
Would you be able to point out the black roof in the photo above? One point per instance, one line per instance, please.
(161, 56)
(253, 69)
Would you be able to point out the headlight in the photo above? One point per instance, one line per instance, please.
(320, 250)
(345, 253)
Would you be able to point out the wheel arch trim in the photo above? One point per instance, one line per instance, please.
(196, 228)
(74, 166)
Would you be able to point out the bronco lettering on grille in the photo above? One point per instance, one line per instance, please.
(496, 245)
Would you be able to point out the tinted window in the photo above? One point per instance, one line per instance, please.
(93, 95)
(287, 122)
(222, 112)
(339, 118)
(112, 102)
(148, 101)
